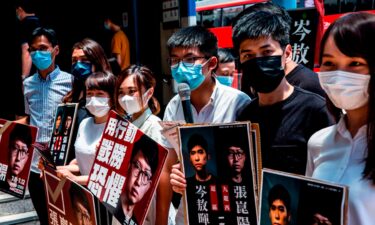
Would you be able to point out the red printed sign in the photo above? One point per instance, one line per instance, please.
(16, 152)
(126, 170)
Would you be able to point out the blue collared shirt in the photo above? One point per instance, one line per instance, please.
(42, 96)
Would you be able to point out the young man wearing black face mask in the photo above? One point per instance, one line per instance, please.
(296, 74)
(287, 115)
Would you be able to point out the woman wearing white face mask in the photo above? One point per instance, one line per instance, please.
(134, 94)
(100, 100)
(345, 153)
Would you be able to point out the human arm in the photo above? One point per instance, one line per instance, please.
(164, 190)
(63, 171)
(319, 219)
(26, 60)
(118, 58)
(23, 120)
(310, 163)
(177, 179)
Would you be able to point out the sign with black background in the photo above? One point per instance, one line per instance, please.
(303, 29)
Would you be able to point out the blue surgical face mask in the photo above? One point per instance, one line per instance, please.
(106, 26)
(41, 59)
(81, 70)
(191, 75)
(226, 80)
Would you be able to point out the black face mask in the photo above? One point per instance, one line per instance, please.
(264, 74)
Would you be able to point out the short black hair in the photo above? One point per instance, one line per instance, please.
(279, 192)
(225, 55)
(265, 7)
(115, 17)
(197, 139)
(49, 33)
(102, 81)
(22, 133)
(257, 23)
(150, 150)
(195, 36)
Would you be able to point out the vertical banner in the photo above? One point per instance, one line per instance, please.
(219, 168)
(303, 30)
(295, 199)
(68, 202)
(16, 152)
(62, 133)
(126, 170)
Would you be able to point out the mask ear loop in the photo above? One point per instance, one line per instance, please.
(145, 102)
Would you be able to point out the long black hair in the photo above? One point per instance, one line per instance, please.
(354, 36)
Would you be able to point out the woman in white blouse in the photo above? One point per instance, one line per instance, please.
(345, 153)
(134, 94)
(99, 101)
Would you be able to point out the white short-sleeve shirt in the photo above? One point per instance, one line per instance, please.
(335, 156)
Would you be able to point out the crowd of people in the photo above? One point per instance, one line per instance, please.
(321, 126)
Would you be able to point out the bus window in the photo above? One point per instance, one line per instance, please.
(344, 6)
(211, 18)
(199, 18)
(355, 5)
(331, 7)
(229, 13)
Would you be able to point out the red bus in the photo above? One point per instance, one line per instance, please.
(336, 8)
(218, 14)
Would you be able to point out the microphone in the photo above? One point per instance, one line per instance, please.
(184, 92)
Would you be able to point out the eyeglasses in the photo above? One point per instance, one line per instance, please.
(22, 152)
(137, 171)
(187, 62)
(41, 48)
(236, 155)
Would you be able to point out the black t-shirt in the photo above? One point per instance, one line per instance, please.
(305, 78)
(201, 205)
(285, 128)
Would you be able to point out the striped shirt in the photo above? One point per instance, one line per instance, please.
(42, 96)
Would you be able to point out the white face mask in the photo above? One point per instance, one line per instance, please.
(98, 106)
(132, 104)
(346, 90)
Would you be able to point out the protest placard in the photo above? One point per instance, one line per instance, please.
(295, 199)
(126, 170)
(219, 168)
(16, 152)
(62, 133)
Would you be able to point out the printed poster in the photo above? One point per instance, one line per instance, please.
(303, 30)
(16, 152)
(68, 202)
(219, 168)
(62, 132)
(295, 199)
(126, 170)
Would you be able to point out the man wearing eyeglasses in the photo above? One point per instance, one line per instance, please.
(19, 143)
(236, 160)
(236, 175)
(193, 59)
(142, 167)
